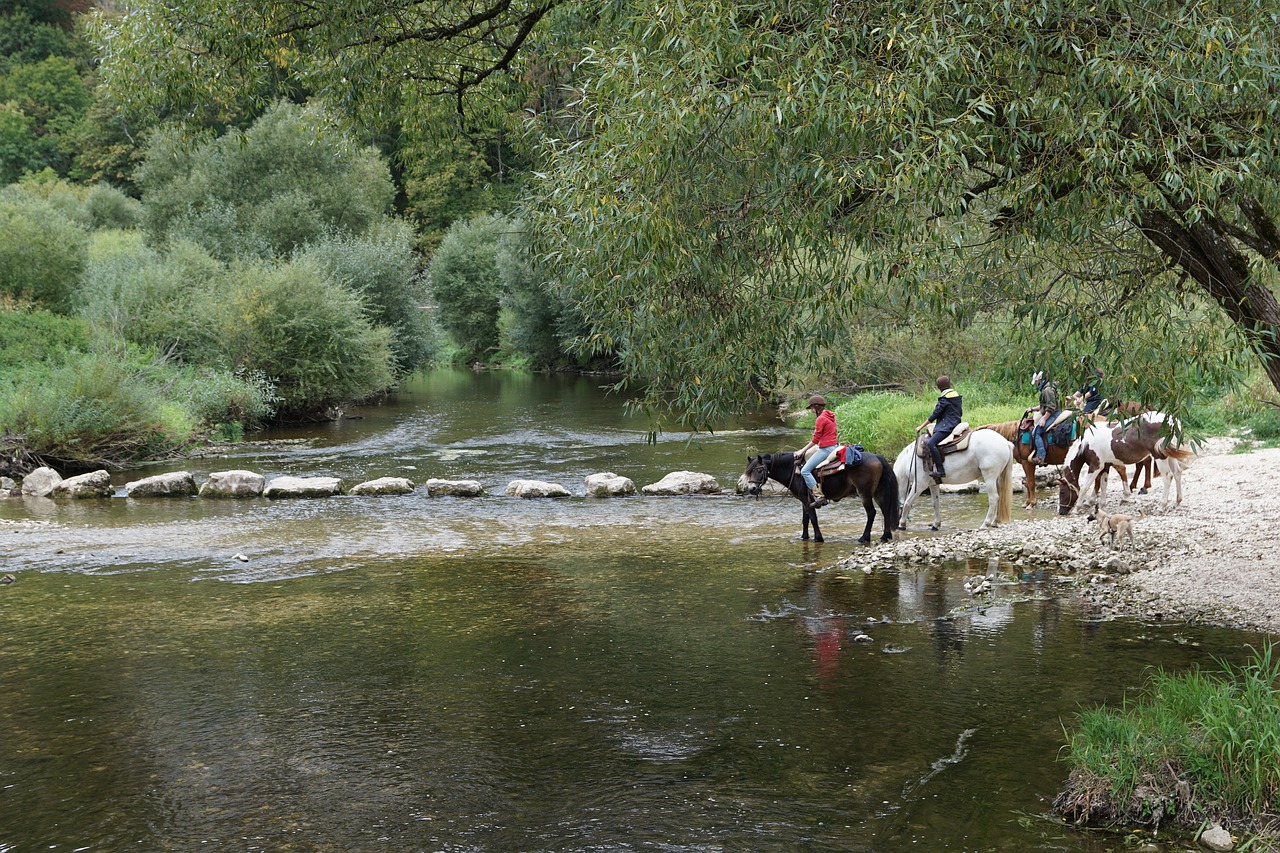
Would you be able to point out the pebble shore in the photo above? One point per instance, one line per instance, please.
(1215, 559)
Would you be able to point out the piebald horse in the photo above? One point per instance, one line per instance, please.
(989, 457)
(1121, 443)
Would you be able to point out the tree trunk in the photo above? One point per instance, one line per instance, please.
(1221, 269)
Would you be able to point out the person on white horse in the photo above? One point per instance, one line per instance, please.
(946, 416)
(824, 439)
(1048, 408)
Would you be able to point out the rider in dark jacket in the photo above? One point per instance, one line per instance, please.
(1048, 408)
(1089, 392)
(946, 417)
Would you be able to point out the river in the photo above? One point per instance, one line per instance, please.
(495, 674)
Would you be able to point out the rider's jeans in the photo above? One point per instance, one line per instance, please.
(819, 456)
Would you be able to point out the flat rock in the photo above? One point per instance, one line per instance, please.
(233, 484)
(175, 484)
(608, 485)
(684, 483)
(383, 486)
(96, 484)
(303, 487)
(454, 488)
(536, 489)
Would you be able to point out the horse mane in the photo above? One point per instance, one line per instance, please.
(1008, 429)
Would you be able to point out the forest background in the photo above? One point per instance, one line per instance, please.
(224, 214)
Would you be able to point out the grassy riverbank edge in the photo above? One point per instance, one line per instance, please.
(1188, 749)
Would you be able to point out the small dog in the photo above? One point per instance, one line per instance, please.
(1116, 526)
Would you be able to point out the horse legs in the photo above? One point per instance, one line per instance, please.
(992, 482)
(1029, 476)
(811, 514)
(1141, 467)
(869, 505)
(1171, 469)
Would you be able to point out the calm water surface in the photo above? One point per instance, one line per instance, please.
(435, 674)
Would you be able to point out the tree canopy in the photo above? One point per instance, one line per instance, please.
(733, 185)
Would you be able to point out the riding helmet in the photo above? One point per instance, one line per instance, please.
(817, 400)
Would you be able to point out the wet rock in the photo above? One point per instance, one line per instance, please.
(303, 487)
(383, 486)
(536, 489)
(454, 488)
(175, 484)
(40, 482)
(608, 485)
(96, 484)
(1218, 839)
(7, 484)
(684, 483)
(233, 484)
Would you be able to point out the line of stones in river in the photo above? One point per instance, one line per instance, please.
(46, 482)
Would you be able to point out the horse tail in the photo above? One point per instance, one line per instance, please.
(1004, 486)
(887, 493)
(1008, 429)
(1180, 454)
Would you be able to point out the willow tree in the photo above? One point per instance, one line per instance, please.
(748, 178)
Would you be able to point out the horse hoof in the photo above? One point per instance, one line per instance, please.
(864, 540)
(934, 527)
(888, 537)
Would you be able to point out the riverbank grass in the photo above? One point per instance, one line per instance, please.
(1191, 747)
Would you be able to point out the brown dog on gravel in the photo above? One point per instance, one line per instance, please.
(1116, 526)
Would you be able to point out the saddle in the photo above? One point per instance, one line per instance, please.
(1056, 429)
(958, 440)
(844, 456)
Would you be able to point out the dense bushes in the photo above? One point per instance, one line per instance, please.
(42, 251)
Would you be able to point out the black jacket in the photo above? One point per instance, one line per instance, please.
(948, 413)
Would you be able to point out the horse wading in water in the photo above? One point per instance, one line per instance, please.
(872, 479)
(1122, 443)
(988, 457)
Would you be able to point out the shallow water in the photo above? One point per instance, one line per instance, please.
(419, 673)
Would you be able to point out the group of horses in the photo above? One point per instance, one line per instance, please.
(1092, 448)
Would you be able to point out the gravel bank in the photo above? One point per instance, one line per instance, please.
(1214, 560)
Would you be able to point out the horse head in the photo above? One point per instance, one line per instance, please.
(757, 474)
(1069, 481)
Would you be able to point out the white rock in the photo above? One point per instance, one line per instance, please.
(40, 482)
(1218, 839)
(383, 486)
(233, 484)
(536, 489)
(684, 483)
(96, 484)
(175, 484)
(303, 487)
(454, 488)
(607, 485)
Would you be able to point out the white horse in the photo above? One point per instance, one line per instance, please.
(989, 457)
(1120, 443)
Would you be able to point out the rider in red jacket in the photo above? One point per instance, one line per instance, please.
(824, 438)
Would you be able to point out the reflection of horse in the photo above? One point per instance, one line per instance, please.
(1019, 433)
(1124, 442)
(989, 457)
(871, 479)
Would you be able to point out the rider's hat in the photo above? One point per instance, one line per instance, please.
(1035, 380)
(817, 400)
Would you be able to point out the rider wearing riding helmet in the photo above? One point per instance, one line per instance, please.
(1089, 391)
(946, 417)
(824, 438)
(1048, 408)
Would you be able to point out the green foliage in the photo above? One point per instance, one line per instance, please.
(292, 178)
(102, 408)
(746, 181)
(221, 399)
(381, 267)
(1218, 733)
(46, 102)
(42, 251)
(308, 333)
(109, 207)
(464, 280)
(31, 337)
(25, 40)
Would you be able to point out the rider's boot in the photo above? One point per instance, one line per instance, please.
(818, 500)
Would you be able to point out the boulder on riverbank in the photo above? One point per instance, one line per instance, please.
(608, 485)
(536, 489)
(684, 483)
(96, 484)
(383, 486)
(40, 482)
(303, 487)
(233, 484)
(180, 484)
(454, 488)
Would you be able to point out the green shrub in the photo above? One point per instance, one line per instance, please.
(109, 207)
(96, 409)
(464, 279)
(42, 251)
(31, 337)
(306, 332)
(221, 399)
(382, 268)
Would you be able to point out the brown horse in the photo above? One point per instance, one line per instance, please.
(1019, 433)
(872, 479)
(1149, 435)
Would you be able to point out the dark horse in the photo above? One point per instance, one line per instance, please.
(872, 479)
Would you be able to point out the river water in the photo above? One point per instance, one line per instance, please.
(497, 674)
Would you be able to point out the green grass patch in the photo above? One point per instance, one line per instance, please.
(1190, 747)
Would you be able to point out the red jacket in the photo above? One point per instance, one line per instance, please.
(824, 431)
